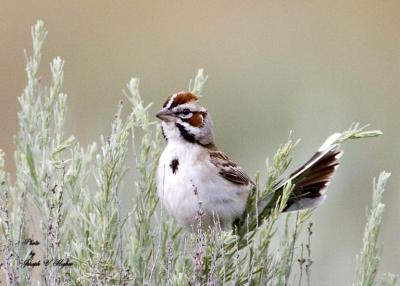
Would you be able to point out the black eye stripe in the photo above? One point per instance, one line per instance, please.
(184, 112)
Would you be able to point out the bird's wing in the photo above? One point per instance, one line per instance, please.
(229, 170)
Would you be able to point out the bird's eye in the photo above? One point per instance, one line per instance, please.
(186, 111)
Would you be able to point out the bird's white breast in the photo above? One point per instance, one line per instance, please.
(195, 179)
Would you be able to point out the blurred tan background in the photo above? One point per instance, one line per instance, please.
(310, 66)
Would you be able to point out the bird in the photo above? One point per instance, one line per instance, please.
(192, 172)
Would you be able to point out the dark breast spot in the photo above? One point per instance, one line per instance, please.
(174, 165)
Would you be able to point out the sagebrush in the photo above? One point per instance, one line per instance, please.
(62, 223)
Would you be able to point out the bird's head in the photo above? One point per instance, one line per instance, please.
(183, 118)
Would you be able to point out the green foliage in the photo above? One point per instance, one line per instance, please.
(368, 260)
(84, 237)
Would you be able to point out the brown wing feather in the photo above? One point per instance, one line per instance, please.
(229, 170)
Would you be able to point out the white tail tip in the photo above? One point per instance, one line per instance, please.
(329, 142)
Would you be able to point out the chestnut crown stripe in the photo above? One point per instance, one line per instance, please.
(179, 98)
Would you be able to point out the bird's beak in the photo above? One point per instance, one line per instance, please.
(165, 115)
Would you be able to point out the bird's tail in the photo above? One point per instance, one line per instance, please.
(309, 184)
(311, 180)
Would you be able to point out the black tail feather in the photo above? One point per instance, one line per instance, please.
(311, 179)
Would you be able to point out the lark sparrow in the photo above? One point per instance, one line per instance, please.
(192, 169)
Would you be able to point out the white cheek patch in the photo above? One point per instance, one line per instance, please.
(191, 129)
